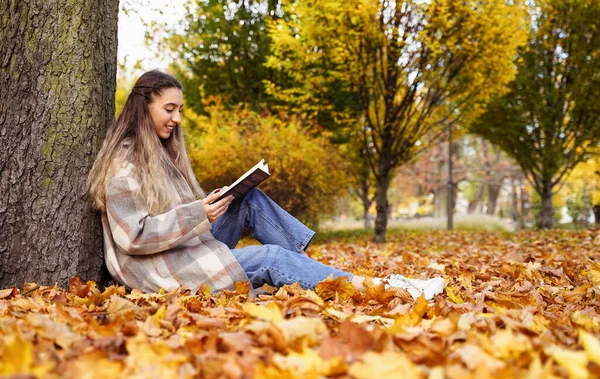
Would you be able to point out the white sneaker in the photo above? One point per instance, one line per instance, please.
(429, 288)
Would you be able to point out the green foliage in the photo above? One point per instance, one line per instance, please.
(550, 119)
(220, 49)
(307, 173)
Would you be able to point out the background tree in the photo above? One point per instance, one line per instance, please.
(551, 118)
(220, 50)
(412, 67)
(57, 87)
(360, 178)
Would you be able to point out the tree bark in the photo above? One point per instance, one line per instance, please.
(382, 206)
(493, 193)
(57, 87)
(547, 211)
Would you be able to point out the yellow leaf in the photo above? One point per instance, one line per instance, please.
(507, 345)
(413, 318)
(594, 273)
(305, 328)
(160, 313)
(307, 364)
(273, 372)
(337, 315)
(574, 362)
(17, 357)
(475, 358)
(94, 365)
(591, 345)
(154, 357)
(586, 321)
(119, 306)
(359, 319)
(454, 297)
(271, 312)
(385, 365)
(436, 373)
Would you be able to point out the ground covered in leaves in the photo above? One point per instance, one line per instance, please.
(516, 305)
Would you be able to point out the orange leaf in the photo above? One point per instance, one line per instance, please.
(340, 286)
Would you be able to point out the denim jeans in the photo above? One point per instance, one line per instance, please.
(281, 259)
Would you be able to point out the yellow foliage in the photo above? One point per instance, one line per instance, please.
(416, 66)
(306, 170)
(271, 312)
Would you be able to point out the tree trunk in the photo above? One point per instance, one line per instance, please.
(440, 202)
(547, 210)
(473, 204)
(57, 87)
(514, 209)
(450, 190)
(366, 206)
(493, 193)
(382, 205)
(596, 209)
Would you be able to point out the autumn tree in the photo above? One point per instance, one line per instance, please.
(361, 181)
(412, 68)
(57, 86)
(550, 119)
(307, 170)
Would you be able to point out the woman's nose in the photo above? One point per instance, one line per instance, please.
(176, 117)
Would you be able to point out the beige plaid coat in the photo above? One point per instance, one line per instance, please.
(167, 250)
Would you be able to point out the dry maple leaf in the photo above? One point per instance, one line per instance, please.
(339, 288)
(78, 287)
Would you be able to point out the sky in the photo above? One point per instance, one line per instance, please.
(131, 32)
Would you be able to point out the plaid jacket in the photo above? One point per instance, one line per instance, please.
(167, 250)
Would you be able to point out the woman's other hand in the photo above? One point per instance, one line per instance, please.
(216, 210)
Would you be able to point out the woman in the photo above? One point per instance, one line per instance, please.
(160, 230)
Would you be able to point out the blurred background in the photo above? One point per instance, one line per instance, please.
(375, 115)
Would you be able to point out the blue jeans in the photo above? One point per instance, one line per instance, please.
(281, 259)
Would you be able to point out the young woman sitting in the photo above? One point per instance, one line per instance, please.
(160, 228)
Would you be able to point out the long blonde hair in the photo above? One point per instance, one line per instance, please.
(132, 138)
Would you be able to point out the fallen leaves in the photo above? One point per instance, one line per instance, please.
(522, 306)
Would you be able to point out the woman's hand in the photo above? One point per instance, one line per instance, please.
(216, 210)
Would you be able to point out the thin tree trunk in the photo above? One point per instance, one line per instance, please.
(57, 87)
(367, 215)
(524, 199)
(493, 193)
(382, 205)
(547, 211)
(596, 209)
(473, 204)
(514, 209)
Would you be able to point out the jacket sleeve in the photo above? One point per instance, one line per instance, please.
(137, 232)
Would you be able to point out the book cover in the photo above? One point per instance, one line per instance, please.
(253, 177)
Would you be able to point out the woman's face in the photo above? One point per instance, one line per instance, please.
(165, 111)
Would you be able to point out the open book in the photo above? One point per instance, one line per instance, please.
(253, 177)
